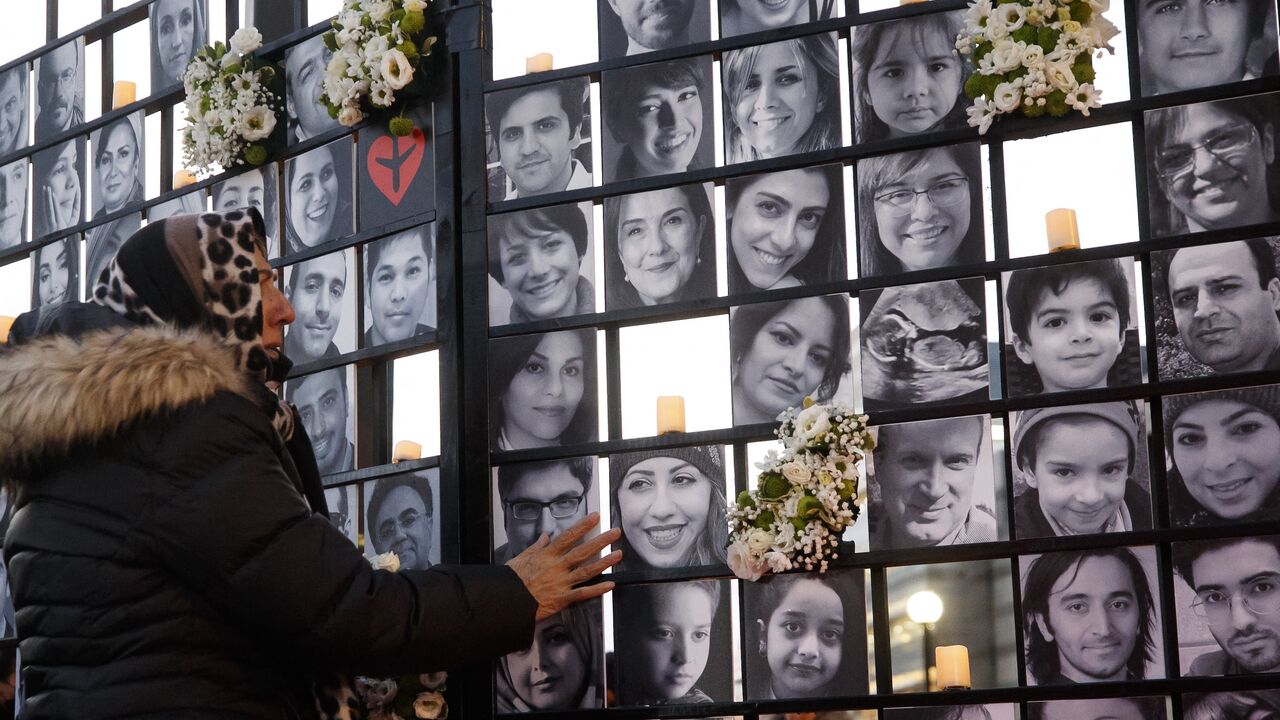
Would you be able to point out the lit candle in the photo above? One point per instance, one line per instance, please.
(183, 178)
(406, 450)
(6, 324)
(952, 662)
(123, 93)
(1062, 230)
(541, 62)
(670, 414)
(910, 2)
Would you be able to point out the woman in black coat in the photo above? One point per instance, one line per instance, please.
(170, 554)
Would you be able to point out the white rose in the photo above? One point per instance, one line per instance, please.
(386, 561)
(1059, 75)
(246, 40)
(1033, 55)
(1006, 98)
(1005, 57)
(396, 69)
(430, 706)
(796, 473)
(379, 11)
(415, 5)
(759, 541)
(814, 421)
(257, 123)
(231, 58)
(350, 115)
(1011, 15)
(743, 564)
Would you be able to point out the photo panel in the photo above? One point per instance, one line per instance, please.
(534, 498)
(304, 70)
(55, 273)
(539, 138)
(893, 61)
(924, 343)
(322, 291)
(633, 27)
(326, 401)
(649, 620)
(992, 711)
(1234, 182)
(781, 99)
(179, 28)
(59, 77)
(400, 286)
(1183, 47)
(256, 188)
(1236, 705)
(318, 196)
(344, 507)
(657, 119)
(58, 187)
(783, 352)
(14, 206)
(15, 113)
(806, 635)
(1071, 327)
(1091, 616)
(104, 242)
(659, 247)
(1222, 455)
(1151, 707)
(920, 210)
(192, 203)
(1081, 470)
(118, 165)
(543, 390)
(1216, 308)
(785, 229)
(932, 483)
(670, 505)
(562, 670)
(396, 174)
(542, 264)
(743, 17)
(402, 515)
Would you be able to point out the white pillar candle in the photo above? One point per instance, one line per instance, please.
(124, 92)
(1064, 234)
(406, 450)
(952, 662)
(541, 62)
(670, 414)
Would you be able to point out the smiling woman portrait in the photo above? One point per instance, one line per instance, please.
(178, 30)
(658, 119)
(536, 259)
(562, 670)
(659, 247)
(118, 165)
(318, 196)
(542, 390)
(740, 17)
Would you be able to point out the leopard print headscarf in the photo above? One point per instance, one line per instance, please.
(198, 271)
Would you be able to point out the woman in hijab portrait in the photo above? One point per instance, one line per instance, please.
(542, 390)
(56, 273)
(178, 30)
(318, 196)
(562, 670)
(117, 166)
(740, 17)
(659, 247)
(658, 119)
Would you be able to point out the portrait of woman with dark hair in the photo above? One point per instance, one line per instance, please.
(657, 119)
(562, 670)
(318, 196)
(785, 229)
(15, 93)
(806, 635)
(13, 204)
(542, 390)
(908, 77)
(255, 188)
(781, 99)
(1234, 182)
(105, 240)
(920, 209)
(58, 188)
(178, 30)
(56, 273)
(399, 274)
(670, 505)
(659, 247)
(1238, 705)
(537, 257)
(678, 645)
(117, 165)
(740, 17)
(783, 352)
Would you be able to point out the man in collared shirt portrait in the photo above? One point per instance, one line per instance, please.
(536, 132)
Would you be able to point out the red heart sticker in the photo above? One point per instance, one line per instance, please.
(393, 163)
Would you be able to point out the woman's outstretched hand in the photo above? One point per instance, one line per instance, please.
(551, 569)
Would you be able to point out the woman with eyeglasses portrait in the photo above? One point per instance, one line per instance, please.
(542, 390)
(920, 209)
(1213, 165)
(117, 166)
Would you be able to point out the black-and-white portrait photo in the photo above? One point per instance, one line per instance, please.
(782, 352)
(304, 69)
(658, 119)
(118, 165)
(1234, 182)
(670, 505)
(562, 670)
(399, 286)
(1071, 327)
(659, 247)
(1237, 705)
(255, 188)
(322, 291)
(920, 209)
(1001, 711)
(1080, 470)
(543, 390)
(540, 498)
(104, 241)
(678, 645)
(541, 264)
(1223, 455)
(785, 229)
(192, 203)
(15, 98)
(932, 483)
(539, 138)
(908, 77)
(13, 204)
(55, 273)
(396, 175)
(924, 343)
(344, 510)
(632, 27)
(1112, 708)
(327, 404)
(400, 517)
(742, 17)
(1227, 594)
(318, 194)
(1217, 308)
(59, 77)
(1091, 616)
(1195, 44)
(58, 187)
(178, 29)
(781, 99)
(806, 635)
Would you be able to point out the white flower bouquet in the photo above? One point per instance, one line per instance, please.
(231, 108)
(805, 497)
(378, 47)
(1033, 57)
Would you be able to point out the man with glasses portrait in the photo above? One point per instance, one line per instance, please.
(541, 498)
(400, 518)
(59, 90)
(1237, 587)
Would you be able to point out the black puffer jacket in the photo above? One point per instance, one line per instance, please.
(164, 561)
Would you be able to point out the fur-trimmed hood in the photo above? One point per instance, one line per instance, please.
(58, 392)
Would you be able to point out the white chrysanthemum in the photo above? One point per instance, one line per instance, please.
(1084, 98)
(379, 10)
(981, 114)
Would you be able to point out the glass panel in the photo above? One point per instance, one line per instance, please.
(15, 288)
(24, 29)
(131, 58)
(522, 29)
(688, 358)
(72, 15)
(416, 386)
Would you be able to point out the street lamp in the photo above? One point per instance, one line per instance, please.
(925, 608)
